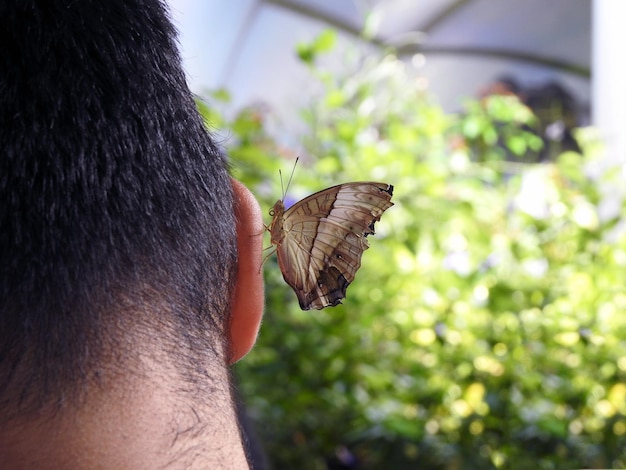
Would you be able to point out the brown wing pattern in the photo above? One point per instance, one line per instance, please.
(322, 238)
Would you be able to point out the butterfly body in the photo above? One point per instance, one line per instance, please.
(320, 239)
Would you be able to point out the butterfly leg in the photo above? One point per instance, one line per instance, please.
(268, 255)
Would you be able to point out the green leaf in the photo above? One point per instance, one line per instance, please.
(485, 327)
(325, 41)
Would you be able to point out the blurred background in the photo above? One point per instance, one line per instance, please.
(487, 325)
(459, 46)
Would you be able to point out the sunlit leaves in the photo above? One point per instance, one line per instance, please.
(486, 327)
(307, 52)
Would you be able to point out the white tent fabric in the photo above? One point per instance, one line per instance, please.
(248, 46)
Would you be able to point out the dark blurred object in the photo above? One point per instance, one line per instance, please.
(343, 459)
(505, 85)
(255, 453)
(556, 111)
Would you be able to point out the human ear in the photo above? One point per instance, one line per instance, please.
(249, 296)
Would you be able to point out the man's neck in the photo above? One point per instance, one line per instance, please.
(136, 424)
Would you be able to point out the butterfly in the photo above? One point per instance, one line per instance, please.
(320, 239)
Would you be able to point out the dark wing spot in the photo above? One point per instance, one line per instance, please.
(331, 288)
(389, 190)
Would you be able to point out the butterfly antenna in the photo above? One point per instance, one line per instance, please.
(290, 177)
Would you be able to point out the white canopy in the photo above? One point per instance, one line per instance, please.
(248, 47)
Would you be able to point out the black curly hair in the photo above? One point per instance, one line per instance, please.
(116, 208)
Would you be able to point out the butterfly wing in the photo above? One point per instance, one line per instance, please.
(323, 238)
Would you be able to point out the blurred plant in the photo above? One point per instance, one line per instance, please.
(486, 327)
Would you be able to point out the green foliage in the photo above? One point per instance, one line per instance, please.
(486, 327)
(500, 126)
(307, 52)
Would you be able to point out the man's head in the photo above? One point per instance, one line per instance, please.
(118, 227)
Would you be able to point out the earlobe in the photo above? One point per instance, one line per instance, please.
(249, 295)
